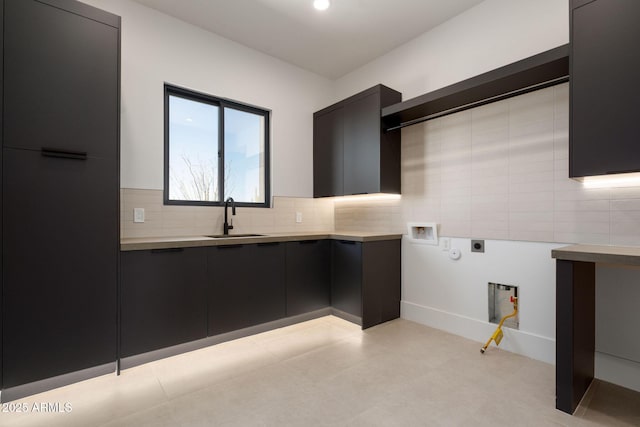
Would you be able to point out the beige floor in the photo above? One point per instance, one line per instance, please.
(328, 372)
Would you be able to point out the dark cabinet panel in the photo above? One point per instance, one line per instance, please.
(308, 268)
(60, 80)
(366, 280)
(60, 213)
(60, 264)
(604, 79)
(163, 298)
(346, 281)
(352, 154)
(327, 153)
(362, 145)
(575, 331)
(381, 272)
(246, 286)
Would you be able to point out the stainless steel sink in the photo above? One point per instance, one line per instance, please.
(231, 236)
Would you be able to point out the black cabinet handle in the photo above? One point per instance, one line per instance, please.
(229, 246)
(347, 242)
(307, 242)
(63, 154)
(269, 244)
(166, 250)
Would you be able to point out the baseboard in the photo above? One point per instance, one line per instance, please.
(139, 359)
(346, 316)
(516, 341)
(616, 370)
(47, 384)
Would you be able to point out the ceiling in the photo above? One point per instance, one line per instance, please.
(330, 43)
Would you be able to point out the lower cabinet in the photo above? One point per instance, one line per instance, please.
(59, 265)
(366, 280)
(346, 280)
(381, 281)
(163, 298)
(173, 296)
(308, 276)
(246, 285)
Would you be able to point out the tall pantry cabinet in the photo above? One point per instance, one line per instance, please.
(60, 191)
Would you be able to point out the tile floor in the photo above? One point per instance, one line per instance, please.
(329, 372)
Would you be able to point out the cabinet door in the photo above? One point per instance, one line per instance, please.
(327, 153)
(60, 264)
(362, 145)
(346, 282)
(381, 282)
(605, 105)
(164, 298)
(246, 286)
(60, 80)
(308, 276)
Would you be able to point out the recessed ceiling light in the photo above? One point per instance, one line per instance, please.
(321, 4)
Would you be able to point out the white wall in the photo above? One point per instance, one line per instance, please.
(437, 291)
(452, 295)
(157, 48)
(490, 35)
(617, 320)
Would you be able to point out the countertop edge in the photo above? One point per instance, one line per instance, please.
(139, 244)
(624, 255)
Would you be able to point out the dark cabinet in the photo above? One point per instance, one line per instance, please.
(60, 78)
(327, 152)
(605, 65)
(366, 280)
(60, 206)
(246, 285)
(352, 153)
(308, 276)
(381, 283)
(164, 298)
(346, 280)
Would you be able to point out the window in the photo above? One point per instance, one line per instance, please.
(214, 149)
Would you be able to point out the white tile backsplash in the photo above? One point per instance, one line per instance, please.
(500, 171)
(174, 220)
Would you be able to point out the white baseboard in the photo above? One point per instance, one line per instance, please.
(516, 341)
(619, 371)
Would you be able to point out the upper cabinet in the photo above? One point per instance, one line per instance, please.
(605, 105)
(351, 152)
(61, 67)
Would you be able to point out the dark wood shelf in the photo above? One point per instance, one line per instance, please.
(536, 72)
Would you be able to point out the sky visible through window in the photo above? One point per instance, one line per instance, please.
(194, 146)
(193, 150)
(244, 144)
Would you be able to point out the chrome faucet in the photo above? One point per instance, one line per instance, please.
(226, 227)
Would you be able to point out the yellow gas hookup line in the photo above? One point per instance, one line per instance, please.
(497, 335)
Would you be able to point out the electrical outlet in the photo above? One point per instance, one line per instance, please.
(477, 246)
(138, 214)
(298, 217)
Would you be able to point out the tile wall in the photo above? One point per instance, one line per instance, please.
(500, 171)
(164, 220)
